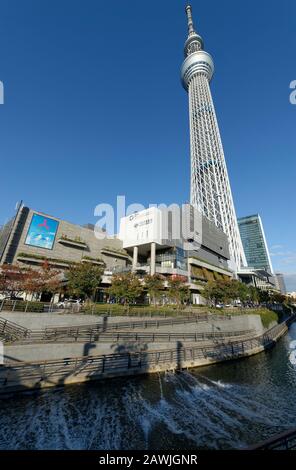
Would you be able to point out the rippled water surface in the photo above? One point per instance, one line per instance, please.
(222, 406)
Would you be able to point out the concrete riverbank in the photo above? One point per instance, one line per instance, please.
(22, 376)
(120, 334)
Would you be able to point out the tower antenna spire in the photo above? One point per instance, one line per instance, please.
(210, 190)
(191, 29)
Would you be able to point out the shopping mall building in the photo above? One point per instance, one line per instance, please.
(176, 242)
(148, 242)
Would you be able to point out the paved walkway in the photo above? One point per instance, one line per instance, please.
(40, 321)
(47, 351)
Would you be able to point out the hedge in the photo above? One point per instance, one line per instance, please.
(22, 305)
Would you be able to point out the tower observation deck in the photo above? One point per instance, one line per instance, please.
(210, 189)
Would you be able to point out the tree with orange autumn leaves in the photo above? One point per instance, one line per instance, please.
(16, 279)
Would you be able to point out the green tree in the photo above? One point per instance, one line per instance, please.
(126, 287)
(216, 292)
(239, 291)
(83, 279)
(154, 285)
(264, 296)
(278, 297)
(253, 294)
(224, 291)
(179, 290)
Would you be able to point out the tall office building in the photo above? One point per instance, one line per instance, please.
(254, 242)
(210, 187)
(280, 283)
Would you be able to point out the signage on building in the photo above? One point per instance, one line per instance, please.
(141, 228)
(172, 226)
(42, 232)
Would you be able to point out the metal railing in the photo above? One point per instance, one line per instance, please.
(20, 306)
(283, 441)
(32, 374)
(90, 330)
(169, 321)
(10, 331)
(111, 332)
(95, 334)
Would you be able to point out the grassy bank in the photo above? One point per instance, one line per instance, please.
(138, 310)
(267, 316)
(23, 306)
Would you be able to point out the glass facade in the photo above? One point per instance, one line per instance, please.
(172, 258)
(254, 242)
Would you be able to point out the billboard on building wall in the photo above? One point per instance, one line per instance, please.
(42, 232)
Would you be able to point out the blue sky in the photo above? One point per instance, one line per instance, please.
(94, 107)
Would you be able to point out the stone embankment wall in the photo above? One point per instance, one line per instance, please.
(43, 374)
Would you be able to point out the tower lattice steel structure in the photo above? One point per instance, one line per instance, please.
(210, 187)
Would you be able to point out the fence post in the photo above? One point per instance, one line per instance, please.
(2, 304)
(43, 374)
(6, 380)
(14, 304)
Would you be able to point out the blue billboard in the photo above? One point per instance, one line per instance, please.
(42, 232)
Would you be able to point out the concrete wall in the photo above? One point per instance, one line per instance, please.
(13, 382)
(214, 239)
(61, 250)
(50, 351)
(210, 257)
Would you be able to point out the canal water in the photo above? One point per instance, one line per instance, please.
(230, 405)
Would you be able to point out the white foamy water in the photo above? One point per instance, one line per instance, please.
(224, 406)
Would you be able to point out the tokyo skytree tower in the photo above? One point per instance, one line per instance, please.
(210, 188)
